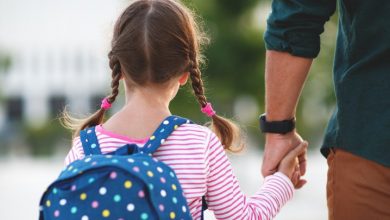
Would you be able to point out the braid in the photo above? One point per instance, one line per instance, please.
(116, 77)
(197, 84)
(226, 130)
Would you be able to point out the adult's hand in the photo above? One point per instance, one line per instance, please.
(276, 147)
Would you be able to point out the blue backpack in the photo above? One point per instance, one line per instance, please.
(126, 184)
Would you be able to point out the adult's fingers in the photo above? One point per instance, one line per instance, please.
(300, 183)
(302, 158)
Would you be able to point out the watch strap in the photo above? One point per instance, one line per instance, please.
(279, 127)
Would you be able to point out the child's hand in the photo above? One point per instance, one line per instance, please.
(290, 165)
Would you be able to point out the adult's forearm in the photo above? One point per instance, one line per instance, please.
(285, 76)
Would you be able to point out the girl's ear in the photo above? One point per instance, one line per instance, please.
(184, 78)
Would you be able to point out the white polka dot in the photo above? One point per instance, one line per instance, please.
(130, 160)
(166, 122)
(102, 191)
(63, 202)
(159, 169)
(163, 193)
(84, 217)
(87, 159)
(130, 207)
(162, 141)
(183, 208)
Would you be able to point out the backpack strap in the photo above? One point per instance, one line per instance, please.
(162, 132)
(204, 207)
(90, 142)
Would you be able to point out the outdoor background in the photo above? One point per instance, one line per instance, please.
(54, 54)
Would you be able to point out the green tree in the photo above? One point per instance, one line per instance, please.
(234, 58)
(235, 66)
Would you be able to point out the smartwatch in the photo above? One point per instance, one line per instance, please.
(278, 127)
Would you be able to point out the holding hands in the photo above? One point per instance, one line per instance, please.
(285, 153)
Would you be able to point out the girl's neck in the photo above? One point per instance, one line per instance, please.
(148, 98)
(145, 105)
(143, 111)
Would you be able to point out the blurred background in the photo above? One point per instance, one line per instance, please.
(54, 54)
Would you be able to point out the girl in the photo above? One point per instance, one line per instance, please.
(155, 50)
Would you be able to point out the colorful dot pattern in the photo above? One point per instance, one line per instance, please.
(117, 187)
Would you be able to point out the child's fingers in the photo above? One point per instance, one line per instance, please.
(297, 151)
(290, 162)
(295, 178)
(296, 166)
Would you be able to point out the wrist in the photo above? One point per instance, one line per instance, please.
(272, 116)
(282, 141)
(280, 136)
(279, 113)
(276, 127)
(285, 175)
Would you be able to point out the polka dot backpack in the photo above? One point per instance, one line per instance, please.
(126, 184)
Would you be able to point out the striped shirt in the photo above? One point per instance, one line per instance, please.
(196, 155)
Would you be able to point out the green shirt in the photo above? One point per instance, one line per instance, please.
(361, 121)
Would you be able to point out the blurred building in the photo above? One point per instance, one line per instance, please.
(58, 57)
(41, 81)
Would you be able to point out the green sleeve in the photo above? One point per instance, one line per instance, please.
(294, 26)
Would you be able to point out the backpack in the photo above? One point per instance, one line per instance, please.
(126, 184)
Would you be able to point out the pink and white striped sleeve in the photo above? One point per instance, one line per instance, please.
(225, 198)
(76, 152)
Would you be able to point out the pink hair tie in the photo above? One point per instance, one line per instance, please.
(208, 110)
(105, 104)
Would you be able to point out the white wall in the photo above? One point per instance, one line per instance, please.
(57, 48)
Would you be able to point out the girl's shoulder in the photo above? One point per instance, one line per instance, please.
(194, 129)
(199, 132)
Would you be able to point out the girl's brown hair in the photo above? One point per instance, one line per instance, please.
(155, 41)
